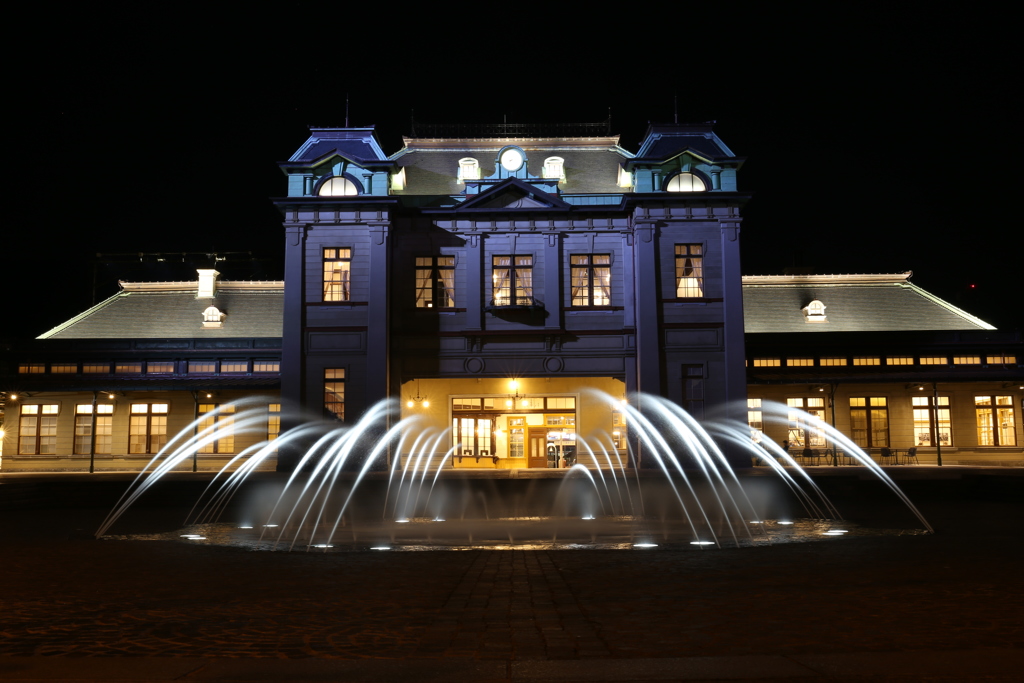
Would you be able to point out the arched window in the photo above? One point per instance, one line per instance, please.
(338, 186)
(814, 312)
(685, 182)
(469, 169)
(554, 167)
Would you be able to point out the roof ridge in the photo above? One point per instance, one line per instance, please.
(81, 316)
(949, 307)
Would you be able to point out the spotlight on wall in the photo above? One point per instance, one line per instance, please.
(13, 397)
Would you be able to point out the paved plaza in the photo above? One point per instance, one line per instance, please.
(948, 606)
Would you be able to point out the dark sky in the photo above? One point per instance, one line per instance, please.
(877, 141)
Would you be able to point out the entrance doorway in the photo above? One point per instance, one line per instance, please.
(551, 448)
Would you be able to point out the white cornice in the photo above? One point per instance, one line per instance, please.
(856, 279)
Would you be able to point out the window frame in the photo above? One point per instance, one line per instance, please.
(869, 408)
(993, 410)
(43, 426)
(517, 272)
(676, 178)
(104, 428)
(799, 434)
(334, 393)
(439, 289)
(340, 289)
(347, 183)
(153, 441)
(936, 421)
(692, 262)
(220, 416)
(591, 283)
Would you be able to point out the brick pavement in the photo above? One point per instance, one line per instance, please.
(958, 590)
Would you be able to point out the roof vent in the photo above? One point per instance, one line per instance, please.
(207, 283)
(814, 312)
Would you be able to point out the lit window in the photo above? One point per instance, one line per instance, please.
(591, 279)
(799, 362)
(689, 271)
(337, 274)
(234, 366)
(814, 312)
(147, 427)
(338, 187)
(435, 282)
(32, 368)
(37, 430)
(162, 367)
(104, 429)
(869, 421)
(554, 167)
(64, 368)
(128, 368)
(334, 393)
(927, 420)
(273, 421)
(829, 362)
(767, 362)
(222, 426)
(755, 418)
(562, 403)
(95, 368)
(966, 360)
(512, 280)
(867, 360)
(800, 432)
(685, 182)
(899, 360)
(469, 169)
(1001, 360)
(398, 181)
(933, 360)
(266, 366)
(995, 420)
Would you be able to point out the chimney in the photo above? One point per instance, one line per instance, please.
(207, 283)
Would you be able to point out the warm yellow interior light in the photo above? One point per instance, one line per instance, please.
(14, 397)
(513, 385)
(426, 403)
(409, 404)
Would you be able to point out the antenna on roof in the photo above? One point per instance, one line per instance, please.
(609, 120)
(346, 110)
(675, 109)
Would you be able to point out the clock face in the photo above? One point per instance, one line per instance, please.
(511, 159)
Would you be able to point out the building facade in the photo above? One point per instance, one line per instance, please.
(490, 279)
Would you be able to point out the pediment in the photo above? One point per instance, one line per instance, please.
(512, 194)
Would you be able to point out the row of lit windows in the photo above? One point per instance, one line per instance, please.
(831, 361)
(523, 402)
(590, 278)
(203, 367)
(869, 421)
(147, 428)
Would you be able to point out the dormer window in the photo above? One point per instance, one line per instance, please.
(814, 312)
(554, 167)
(685, 182)
(398, 181)
(212, 317)
(338, 186)
(469, 169)
(625, 177)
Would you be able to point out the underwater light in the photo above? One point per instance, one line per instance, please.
(380, 547)
(323, 545)
(439, 519)
(403, 520)
(245, 527)
(191, 536)
(755, 521)
(588, 517)
(785, 522)
(645, 545)
(270, 526)
(702, 542)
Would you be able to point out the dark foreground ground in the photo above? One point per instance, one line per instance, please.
(942, 607)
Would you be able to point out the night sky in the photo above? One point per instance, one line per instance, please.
(876, 141)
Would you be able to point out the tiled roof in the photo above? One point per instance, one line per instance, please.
(587, 171)
(669, 146)
(854, 303)
(170, 314)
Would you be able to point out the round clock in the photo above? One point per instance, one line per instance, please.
(511, 159)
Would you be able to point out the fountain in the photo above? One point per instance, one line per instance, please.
(387, 483)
